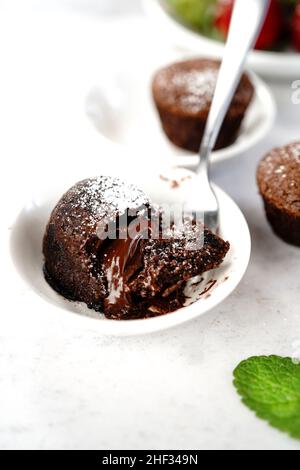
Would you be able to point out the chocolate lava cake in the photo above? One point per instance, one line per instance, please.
(130, 276)
(278, 179)
(183, 94)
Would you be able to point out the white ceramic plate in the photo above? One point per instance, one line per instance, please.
(270, 64)
(26, 249)
(121, 107)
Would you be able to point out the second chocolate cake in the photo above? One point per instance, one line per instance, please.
(278, 178)
(129, 276)
(183, 94)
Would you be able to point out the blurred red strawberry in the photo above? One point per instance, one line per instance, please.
(272, 28)
(296, 27)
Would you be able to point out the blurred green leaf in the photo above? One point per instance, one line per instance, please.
(197, 13)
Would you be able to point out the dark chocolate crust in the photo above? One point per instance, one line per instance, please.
(71, 241)
(154, 272)
(278, 178)
(183, 95)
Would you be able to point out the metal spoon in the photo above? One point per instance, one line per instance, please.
(247, 21)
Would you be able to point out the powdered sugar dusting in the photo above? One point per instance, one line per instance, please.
(101, 197)
(279, 177)
(198, 87)
(189, 86)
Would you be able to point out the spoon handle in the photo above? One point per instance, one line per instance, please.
(247, 20)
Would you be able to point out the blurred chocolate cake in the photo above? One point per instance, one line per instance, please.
(183, 94)
(278, 178)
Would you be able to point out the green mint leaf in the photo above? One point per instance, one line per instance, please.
(270, 386)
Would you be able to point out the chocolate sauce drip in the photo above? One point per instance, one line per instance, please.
(121, 260)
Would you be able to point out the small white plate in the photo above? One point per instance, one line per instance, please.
(280, 65)
(122, 109)
(26, 249)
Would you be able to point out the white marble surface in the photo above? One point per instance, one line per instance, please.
(78, 390)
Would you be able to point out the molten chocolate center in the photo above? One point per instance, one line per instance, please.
(122, 259)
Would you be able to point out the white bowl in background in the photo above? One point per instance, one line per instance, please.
(121, 107)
